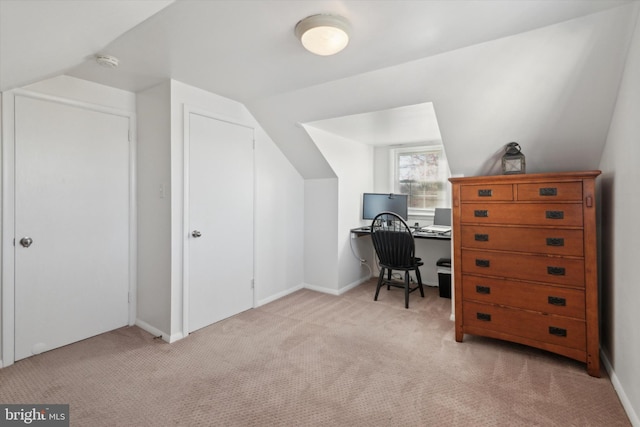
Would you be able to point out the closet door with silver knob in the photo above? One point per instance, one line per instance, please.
(220, 220)
(71, 223)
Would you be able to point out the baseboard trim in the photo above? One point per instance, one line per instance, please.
(278, 295)
(353, 285)
(154, 331)
(322, 289)
(337, 292)
(624, 399)
(174, 337)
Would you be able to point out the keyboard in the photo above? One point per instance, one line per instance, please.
(436, 228)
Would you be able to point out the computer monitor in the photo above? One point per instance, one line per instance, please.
(374, 203)
(442, 216)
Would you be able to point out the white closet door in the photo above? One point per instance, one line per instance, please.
(72, 201)
(221, 212)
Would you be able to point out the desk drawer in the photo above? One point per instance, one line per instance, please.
(537, 268)
(549, 192)
(557, 330)
(544, 299)
(524, 239)
(551, 214)
(493, 192)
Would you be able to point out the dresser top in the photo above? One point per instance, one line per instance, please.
(527, 177)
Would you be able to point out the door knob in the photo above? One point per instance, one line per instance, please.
(26, 241)
(194, 233)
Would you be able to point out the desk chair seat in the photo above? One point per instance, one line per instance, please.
(395, 248)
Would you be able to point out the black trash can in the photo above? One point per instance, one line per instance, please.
(444, 277)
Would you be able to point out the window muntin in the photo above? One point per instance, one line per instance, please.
(422, 173)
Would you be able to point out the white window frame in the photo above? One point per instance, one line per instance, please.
(418, 212)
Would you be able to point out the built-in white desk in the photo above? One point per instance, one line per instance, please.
(429, 246)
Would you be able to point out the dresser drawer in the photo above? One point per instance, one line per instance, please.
(498, 192)
(544, 299)
(557, 330)
(523, 239)
(550, 192)
(536, 268)
(551, 214)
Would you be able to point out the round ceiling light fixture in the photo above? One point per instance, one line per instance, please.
(323, 34)
(107, 61)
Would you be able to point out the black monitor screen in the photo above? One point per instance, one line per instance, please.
(374, 203)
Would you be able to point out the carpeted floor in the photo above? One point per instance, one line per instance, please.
(311, 359)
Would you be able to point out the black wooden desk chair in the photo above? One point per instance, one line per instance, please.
(395, 248)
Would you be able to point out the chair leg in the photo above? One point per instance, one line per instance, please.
(419, 282)
(389, 271)
(380, 281)
(406, 289)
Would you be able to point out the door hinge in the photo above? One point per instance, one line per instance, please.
(252, 284)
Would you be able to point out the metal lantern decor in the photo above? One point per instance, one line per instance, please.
(513, 159)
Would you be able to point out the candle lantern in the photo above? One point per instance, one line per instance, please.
(513, 159)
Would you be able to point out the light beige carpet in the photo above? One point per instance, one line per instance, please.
(311, 359)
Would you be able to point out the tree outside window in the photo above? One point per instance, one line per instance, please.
(422, 173)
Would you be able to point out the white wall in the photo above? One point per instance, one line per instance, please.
(67, 89)
(279, 195)
(79, 90)
(182, 96)
(154, 209)
(320, 235)
(382, 170)
(352, 162)
(620, 234)
(362, 168)
(279, 221)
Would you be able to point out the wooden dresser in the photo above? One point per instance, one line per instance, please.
(525, 261)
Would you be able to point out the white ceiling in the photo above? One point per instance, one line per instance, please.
(410, 124)
(46, 38)
(495, 70)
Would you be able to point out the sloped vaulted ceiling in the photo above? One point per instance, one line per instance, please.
(543, 73)
(552, 90)
(40, 39)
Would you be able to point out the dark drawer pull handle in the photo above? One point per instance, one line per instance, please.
(555, 214)
(556, 271)
(486, 317)
(486, 290)
(559, 332)
(561, 302)
(548, 191)
(482, 237)
(555, 241)
(484, 193)
(481, 213)
(482, 263)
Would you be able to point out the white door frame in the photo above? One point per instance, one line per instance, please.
(7, 354)
(185, 213)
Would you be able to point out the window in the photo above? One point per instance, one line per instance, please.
(422, 173)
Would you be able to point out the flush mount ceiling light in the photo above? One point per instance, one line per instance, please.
(323, 34)
(107, 61)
